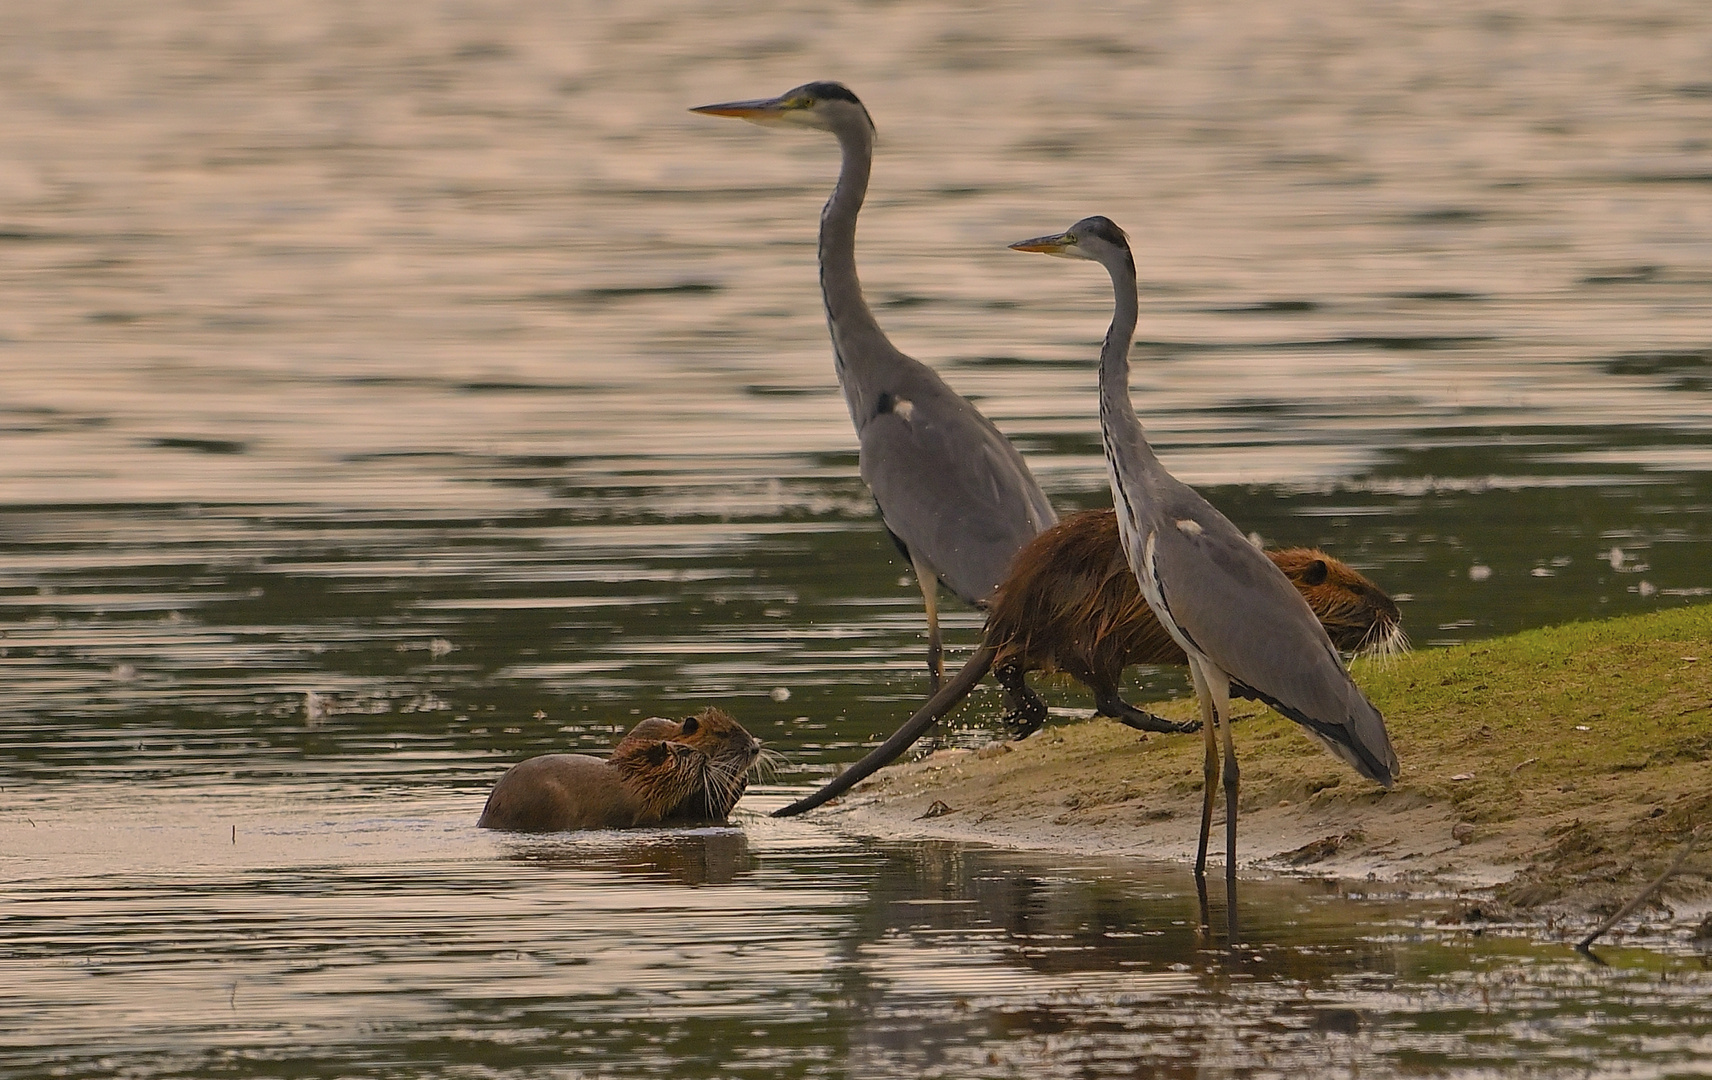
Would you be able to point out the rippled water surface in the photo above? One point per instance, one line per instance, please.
(433, 361)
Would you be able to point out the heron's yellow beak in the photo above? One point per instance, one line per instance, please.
(1046, 245)
(759, 111)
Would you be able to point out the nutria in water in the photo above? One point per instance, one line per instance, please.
(641, 786)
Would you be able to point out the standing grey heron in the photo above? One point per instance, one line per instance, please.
(1234, 613)
(953, 492)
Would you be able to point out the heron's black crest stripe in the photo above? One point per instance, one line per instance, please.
(831, 91)
(1106, 229)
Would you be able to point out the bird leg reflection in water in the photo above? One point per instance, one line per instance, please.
(953, 492)
(1232, 611)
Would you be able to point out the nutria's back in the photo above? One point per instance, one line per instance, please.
(555, 792)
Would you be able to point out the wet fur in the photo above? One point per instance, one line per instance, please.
(555, 792)
(732, 754)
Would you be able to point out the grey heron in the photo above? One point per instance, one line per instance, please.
(1233, 612)
(956, 497)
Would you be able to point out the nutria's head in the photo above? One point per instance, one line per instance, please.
(733, 752)
(663, 774)
(1356, 613)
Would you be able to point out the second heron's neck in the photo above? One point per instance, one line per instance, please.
(1121, 430)
(854, 330)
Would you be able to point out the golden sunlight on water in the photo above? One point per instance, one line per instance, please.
(434, 361)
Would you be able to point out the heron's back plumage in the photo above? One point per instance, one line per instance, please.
(949, 485)
(1232, 604)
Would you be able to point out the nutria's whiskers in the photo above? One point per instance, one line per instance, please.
(767, 764)
(1385, 644)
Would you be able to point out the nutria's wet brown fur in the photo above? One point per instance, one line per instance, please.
(1072, 605)
(555, 792)
(731, 750)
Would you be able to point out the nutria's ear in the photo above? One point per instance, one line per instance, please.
(1315, 572)
(690, 724)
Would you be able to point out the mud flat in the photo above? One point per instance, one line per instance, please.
(1555, 771)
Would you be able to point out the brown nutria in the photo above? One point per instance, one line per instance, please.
(1072, 605)
(732, 751)
(555, 792)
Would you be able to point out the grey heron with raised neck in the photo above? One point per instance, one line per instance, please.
(953, 492)
(1234, 613)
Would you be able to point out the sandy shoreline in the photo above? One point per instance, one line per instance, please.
(1098, 788)
(1553, 773)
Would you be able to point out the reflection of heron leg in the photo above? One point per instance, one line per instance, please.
(1219, 683)
(929, 582)
(1210, 770)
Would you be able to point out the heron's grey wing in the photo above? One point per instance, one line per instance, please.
(1240, 610)
(951, 487)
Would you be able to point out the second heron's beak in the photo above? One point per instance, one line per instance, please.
(1047, 245)
(759, 111)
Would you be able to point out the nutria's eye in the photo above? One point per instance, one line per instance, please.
(657, 752)
(690, 725)
(1315, 572)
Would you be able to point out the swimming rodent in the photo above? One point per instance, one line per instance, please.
(640, 786)
(1072, 604)
(731, 750)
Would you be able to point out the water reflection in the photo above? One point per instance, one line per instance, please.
(704, 856)
(176, 942)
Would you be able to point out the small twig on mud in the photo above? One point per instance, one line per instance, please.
(1623, 912)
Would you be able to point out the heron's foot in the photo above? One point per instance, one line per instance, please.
(1141, 720)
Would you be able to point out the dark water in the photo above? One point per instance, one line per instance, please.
(431, 360)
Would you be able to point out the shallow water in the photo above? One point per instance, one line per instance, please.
(435, 362)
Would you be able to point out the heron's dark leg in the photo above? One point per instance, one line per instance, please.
(929, 582)
(1109, 704)
(1219, 684)
(1210, 769)
(1027, 712)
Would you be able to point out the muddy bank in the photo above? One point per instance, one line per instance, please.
(1553, 772)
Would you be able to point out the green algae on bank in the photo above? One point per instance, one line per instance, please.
(1560, 767)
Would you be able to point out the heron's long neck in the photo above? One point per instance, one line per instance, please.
(859, 346)
(1119, 427)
